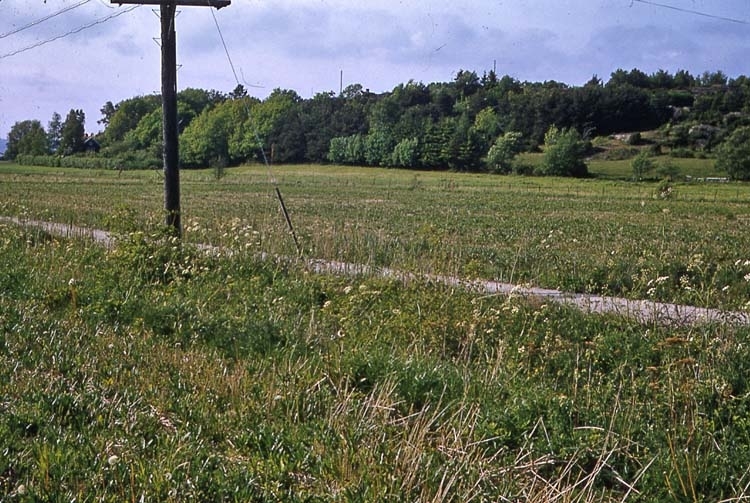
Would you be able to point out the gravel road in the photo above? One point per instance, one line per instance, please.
(644, 311)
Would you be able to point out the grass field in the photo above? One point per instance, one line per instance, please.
(154, 371)
(599, 236)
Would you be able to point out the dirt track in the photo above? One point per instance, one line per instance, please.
(644, 311)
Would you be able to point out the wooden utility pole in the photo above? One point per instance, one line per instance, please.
(170, 133)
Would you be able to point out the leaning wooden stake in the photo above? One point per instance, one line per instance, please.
(289, 222)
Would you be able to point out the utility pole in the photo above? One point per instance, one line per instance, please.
(170, 133)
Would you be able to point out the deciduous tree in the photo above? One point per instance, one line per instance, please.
(126, 116)
(733, 155)
(503, 151)
(641, 165)
(26, 137)
(73, 132)
(563, 153)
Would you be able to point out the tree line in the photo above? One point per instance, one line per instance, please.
(471, 123)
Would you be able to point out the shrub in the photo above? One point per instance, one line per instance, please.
(733, 156)
(501, 154)
(682, 152)
(131, 160)
(406, 153)
(563, 153)
(641, 165)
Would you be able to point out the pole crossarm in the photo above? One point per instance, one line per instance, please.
(190, 3)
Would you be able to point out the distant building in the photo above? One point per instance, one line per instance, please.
(91, 145)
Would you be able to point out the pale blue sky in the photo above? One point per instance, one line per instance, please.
(305, 44)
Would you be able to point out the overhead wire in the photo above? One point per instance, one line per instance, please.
(43, 19)
(691, 11)
(271, 177)
(237, 80)
(71, 32)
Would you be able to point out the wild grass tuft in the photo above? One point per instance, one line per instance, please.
(156, 371)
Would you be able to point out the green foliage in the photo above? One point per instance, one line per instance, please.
(503, 151)
(208, 136)
(258, 120)
(191, 102)
(137, 160)
(125, 116)
(668, 170)
(433, 154)
(733, 156)
(642, 164)
(147, 133)
(487, 124)
(378, 146)
(337, 151)
(73, 133)
(287, 138)
(54, 132)
(406, 153)
(26, 138)
(665, 190)
(563, 153)
(455, 122)
(348, 150)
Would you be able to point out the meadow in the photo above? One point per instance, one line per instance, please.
(683, 242)
(154, 371)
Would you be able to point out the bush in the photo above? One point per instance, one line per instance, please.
(132, 160)
(406, 153)
(641, 165)
(563, 153)
(681, 152)
(733, 155)
(347, 149)
(501, 154)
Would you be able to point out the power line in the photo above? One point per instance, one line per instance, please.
(271, 177)
(45, 18)
(71, 32)
(237, 80)
(691, 11)
(226, 50)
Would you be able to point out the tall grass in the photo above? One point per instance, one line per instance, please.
(597, 236)
(153, 371)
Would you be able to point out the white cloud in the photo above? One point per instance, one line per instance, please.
(304, 44)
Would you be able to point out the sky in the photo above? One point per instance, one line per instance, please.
(97, 52)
